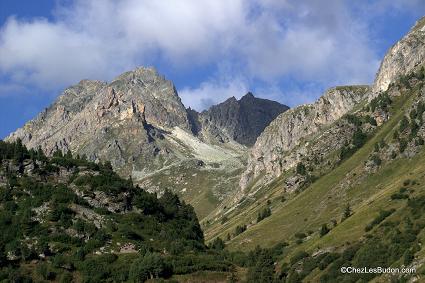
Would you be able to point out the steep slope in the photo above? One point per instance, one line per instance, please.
(238, 120)
(77, 219)
(402, 58)
(138, 123)
(334, 192)
(289, 129)
(347, 193)
(120, 121)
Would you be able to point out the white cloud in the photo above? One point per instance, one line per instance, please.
(212, 92)
(99, 39)
(267, 40)
(310, 42)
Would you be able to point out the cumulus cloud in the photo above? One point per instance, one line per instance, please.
(98, 39)
(268, 40)
(310, 43)
(213, 91)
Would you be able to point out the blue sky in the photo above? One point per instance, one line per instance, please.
(289, 51)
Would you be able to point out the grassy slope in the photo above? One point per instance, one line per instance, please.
(324, 200)
(199, 186)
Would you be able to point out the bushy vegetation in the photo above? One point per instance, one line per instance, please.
(264, 213)
(382, 102)
(382, 215)
(391, 242)
(39, 217)
(357, 141)
(239, 229)
(300, 169)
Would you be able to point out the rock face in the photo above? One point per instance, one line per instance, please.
(238, 120)
(402, 58)
(139, 124)
(122, 121)
(290, 128)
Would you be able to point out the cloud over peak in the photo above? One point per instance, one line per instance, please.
(268, 41)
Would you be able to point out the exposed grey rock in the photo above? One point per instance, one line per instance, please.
(138, 123)
(402, 58)
(236, 120)
(291, 128)
(123, 121)
(88, 215)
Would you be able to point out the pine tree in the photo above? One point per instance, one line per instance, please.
(324, 230)
(347, 212)
(301, 169)
(263, 269)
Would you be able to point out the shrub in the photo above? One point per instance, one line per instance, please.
(266, 212)
(151, 265)
(301, 169)
(217, 244)
(359, 138)
(263, 269)
(240, 229)
(404, 123)
(382, 101)
(381, 217)
(324, 230)
(347, 212)
(353, 119)
(402, 145)
(376, 160)
(371, 121)
(298, 256)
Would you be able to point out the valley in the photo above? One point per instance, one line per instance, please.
(120, 182)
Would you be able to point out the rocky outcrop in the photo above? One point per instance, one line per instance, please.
(138, 123)
(122, 121)
(402, 58)
(237, 120)
(291, 128)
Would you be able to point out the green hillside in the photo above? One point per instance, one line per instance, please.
(65, 219)
(384, 174)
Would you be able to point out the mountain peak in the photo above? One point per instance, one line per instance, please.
(402, 58)
(241, 120)
(248, 95)
(144, 74)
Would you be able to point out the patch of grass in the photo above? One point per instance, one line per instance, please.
(325, 199)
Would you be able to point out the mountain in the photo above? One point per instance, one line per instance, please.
(66, 219)
(332, 184)
(282, 144)
(238, 120)
(402, 58)
(340, 182)
(139, 124)
(289, 129)
(120, 122)
(358, 189)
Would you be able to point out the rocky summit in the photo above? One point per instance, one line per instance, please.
(122, 121)
(139, 124)
(291, 128)
(238, 120)
(402, 58)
